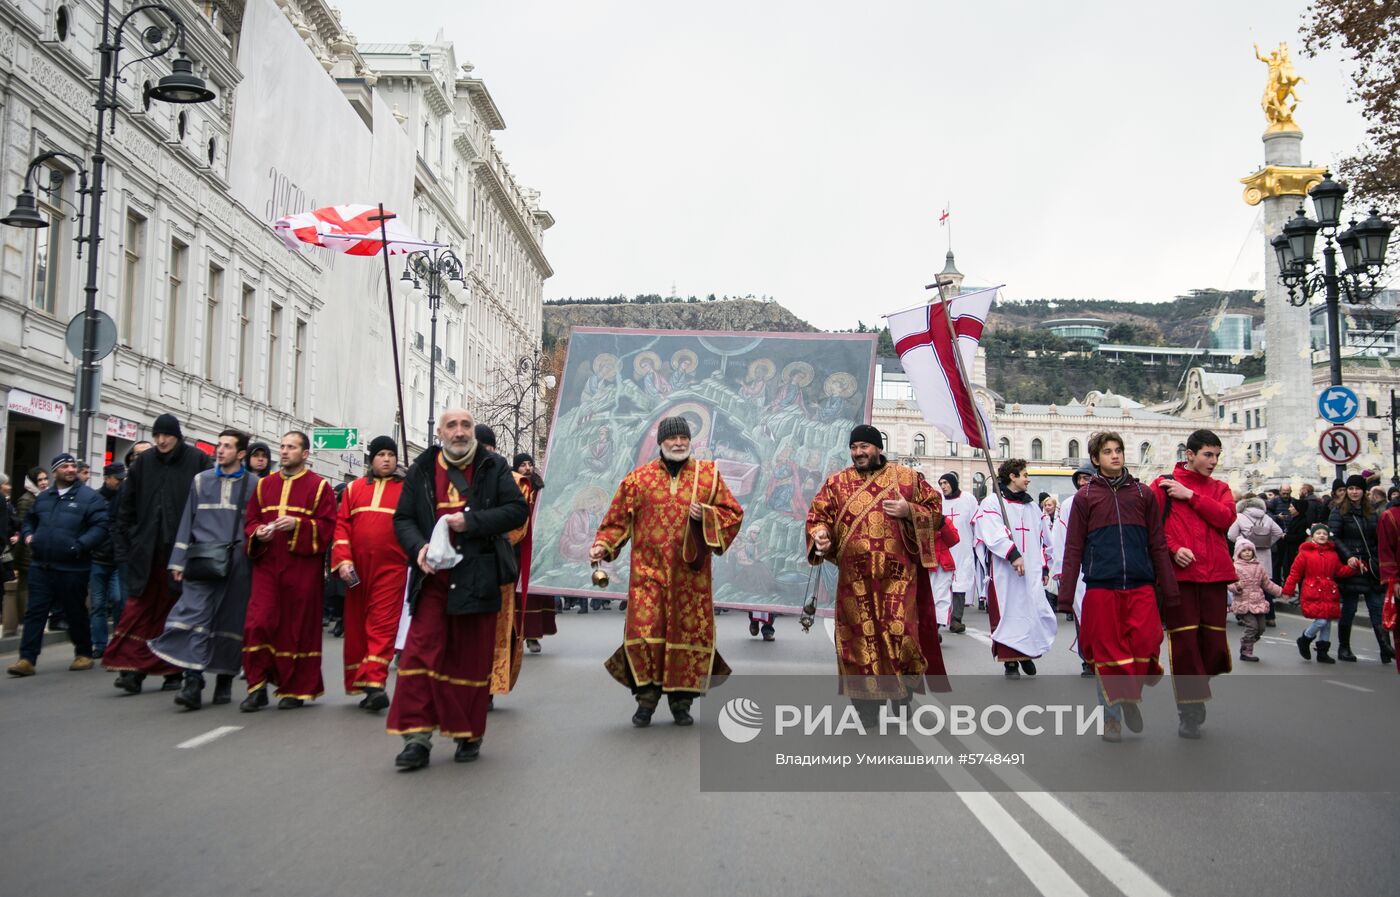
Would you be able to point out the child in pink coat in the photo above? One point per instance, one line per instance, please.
(1249, 590)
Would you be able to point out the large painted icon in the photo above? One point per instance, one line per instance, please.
(773, 410)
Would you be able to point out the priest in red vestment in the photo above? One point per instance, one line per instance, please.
(370, 561)
(455, 590)
(539, 609)
(290, 519)
(677, 512)
(878, 522)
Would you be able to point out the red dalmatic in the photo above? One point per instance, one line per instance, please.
(364, 538)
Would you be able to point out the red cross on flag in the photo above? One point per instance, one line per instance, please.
(924, 339)
(351, 229)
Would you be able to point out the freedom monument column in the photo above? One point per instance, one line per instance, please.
(1282, 185)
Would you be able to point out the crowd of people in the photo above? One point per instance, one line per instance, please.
(221, 566)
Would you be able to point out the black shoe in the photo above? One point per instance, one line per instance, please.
(129, 682)
(223, 689)
(1344, 653)
(413, 756)
(467, 751)
(255, 701)
(753, 627)
(682, 716)
(1132, 717)
(1188, 727)
(1086, 669)
(490, 703)
(191, 695)
(533, 645)
(1028, 667)
(1013, 671)
(375, 700)
(290, 703)
(957, 626)
(769, 634)
(642, 718)
(338, 630)
(1323, 647)
(173, 682)
(1305, 646)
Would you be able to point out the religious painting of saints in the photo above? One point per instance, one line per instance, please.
(772, 410)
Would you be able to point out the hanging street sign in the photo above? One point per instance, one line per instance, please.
(335, 438)
(1340, 445)
(1337, 404)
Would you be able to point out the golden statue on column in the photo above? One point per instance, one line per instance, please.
(1283, 81)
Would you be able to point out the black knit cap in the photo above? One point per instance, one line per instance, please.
(259, 447)
(486, 436)
(167, 425)
(1356, 480)
(951, 479)
(62, 458)
(521, 459)
(867, 433)
(117, 469)
(382, 443)
(672, 426)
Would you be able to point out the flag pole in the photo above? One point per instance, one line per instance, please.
(383, 219)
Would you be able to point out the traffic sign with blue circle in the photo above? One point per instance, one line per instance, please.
(1337, 404)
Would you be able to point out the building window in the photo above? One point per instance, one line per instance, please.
(979, 485)
(1181, 452)
(884, 437)
(298, 360)
(1037, 450)
(1234, 417)
(1221, 412)
(1004, 448)
(1374, 439)
(245, 338)
(952, 449)
(48, 246)
(919, 445)
(1074, 448)
(175, 300)
(274, 349)
(181, 123)
(1371, 410)
(213, 295)
(132, 250)
(1145, 454)
(61, 23)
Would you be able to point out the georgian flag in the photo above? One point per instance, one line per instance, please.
(925, 344)
(351, 229)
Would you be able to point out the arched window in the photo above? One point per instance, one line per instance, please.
(1037, 450)
(979, 485)
(1004, 448)
(1181, 451)
(919, 444)
(884, 437)
(1074, 448)
(1145, 454)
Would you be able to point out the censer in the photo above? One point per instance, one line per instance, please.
(600, 576)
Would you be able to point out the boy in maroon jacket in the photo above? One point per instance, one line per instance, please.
(1198, 512)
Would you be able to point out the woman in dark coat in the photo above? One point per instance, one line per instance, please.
(1353, 525)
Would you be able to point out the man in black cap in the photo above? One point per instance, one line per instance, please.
(149, 508)
(367, 557)
(259, 458)
(677, 512)
(65, 523)
(878, 523)
(105, 595)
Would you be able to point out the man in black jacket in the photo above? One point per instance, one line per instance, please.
(105, 593)
(148, 515)
(65, 523)
(445, 667)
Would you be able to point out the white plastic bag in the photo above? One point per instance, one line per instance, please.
(441, 554)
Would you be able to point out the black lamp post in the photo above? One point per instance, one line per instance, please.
(431, 269)
(535, 368)
(1363, 249)
(182, 85)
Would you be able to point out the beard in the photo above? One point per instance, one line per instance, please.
(676, 454)
(456, 451)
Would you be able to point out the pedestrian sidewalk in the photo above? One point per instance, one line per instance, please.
(10, 644)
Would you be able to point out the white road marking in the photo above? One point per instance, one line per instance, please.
(201, 740)
(979, 635)
(1349, 685)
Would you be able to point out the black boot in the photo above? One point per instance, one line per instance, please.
(1190, 724)
(1322, 649)
(255, 701)
(1344, 643)
(223, 689)
(1383, 639)
(413, 756)
(1028, 667)
(130, 682)
(1013, 670)
(289, 703)
(375, 700)
(680, 710)
(173, 682)
(191, 695)
(642, 718)
(1305, 646)
(467, 751)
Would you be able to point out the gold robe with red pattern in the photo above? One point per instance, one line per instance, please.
(670, 633)
(886, 631)
(510, 628)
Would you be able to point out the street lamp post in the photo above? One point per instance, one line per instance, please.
(534, 367)
(182, 85)
(1363, 249)
(431, 269)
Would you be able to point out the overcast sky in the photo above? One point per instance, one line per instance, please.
(804, 150)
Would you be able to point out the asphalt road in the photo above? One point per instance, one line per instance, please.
(568, 798)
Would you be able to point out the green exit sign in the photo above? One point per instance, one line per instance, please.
(335, 438)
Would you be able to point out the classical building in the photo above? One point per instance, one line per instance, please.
(216, 319)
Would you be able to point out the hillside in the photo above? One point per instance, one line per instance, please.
(730, 314)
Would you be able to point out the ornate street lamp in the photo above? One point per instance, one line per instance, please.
(432, 269)
(182, 85)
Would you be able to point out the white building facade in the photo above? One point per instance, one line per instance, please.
(217, 321)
